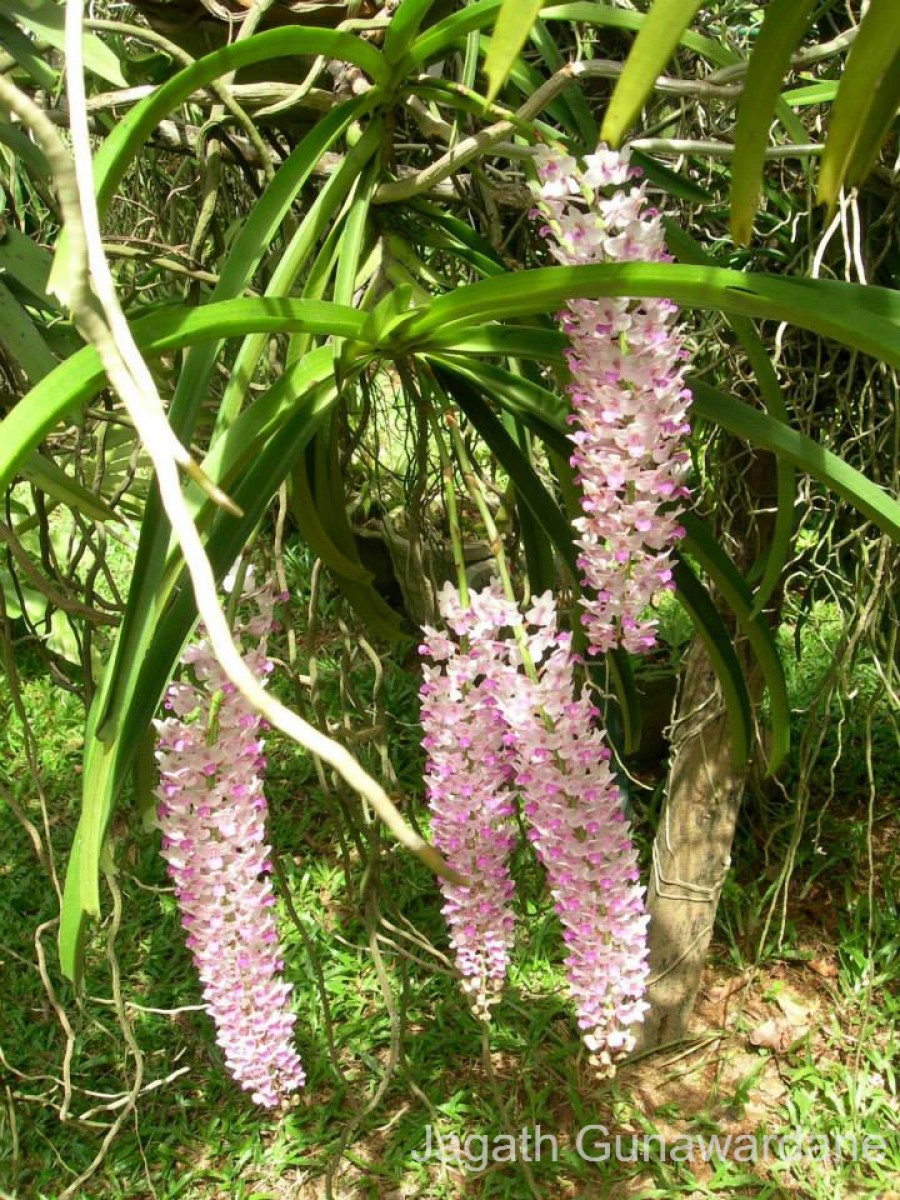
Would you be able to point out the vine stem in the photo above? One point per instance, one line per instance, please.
(82, 279)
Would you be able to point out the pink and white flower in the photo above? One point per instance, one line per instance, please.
(467, 783)
(212, 814)
(502, 715)
(577, 825)
(629, 401)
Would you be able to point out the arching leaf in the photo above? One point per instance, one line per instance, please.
(688, 250)
(783, 26)
(166, 616)
(701, 544)
(511, 30)
(858, 107)
(838, 476)
(404, 27)
(653, 48)
(529, 488)
(715, 636)
(859, 315)
(77, 380)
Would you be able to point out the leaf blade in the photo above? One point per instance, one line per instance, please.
(865, 317)
(511, 31)
(783, 26)
(653, 47)
(871, 55)
(711, 629)
(719, 567)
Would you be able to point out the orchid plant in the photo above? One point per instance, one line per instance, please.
(352, 265)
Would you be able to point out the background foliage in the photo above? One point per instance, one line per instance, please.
(322, 240)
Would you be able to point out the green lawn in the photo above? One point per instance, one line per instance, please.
(796, 1026)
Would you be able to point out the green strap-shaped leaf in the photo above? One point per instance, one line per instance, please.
(47, 22)
(654, 45)
(234, 452)
(541, 410)
(688, 250)
(25, 267)
(582, 123)
(316, 284)
(428, 225)
(881, 117)
(453, 30)
(838, 476)
(786, 484)
(857, 112)
(862, 316)
(436, 41)
(331, 503)
(822, 92)
(22, 338)
(529, 488)
(619, 666)
(700, 543)
(390, 310)
(515, 341)
(77, 380)
(171, 613)
(404, 28)
(589, 12)
(47, 475)
(783, 26)
(544, 412)
(527, 79)
(605, 16)
(540, 558)
(670, 181)
(128, 137)
(25, 55)
(145, 608)
(715, 52)
(26, 152)
(511, 30)
(253, 242)
(292, 262)
(305, 512)
(714, 634)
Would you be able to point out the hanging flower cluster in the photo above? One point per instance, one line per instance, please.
(496, 725)
(576, 822)
(212, 813)
(629, 402)
(467, 783)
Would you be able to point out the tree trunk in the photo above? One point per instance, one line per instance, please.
(692, 849)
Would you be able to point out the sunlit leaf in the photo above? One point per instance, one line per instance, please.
(783, 26)
(862, 316)
(47, 22)
(859, 106)
(514, 22)
(653, 47)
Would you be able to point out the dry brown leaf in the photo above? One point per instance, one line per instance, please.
(794, 1011)
(728, 987)
(777, 1034)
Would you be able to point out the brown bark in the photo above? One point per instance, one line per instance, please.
(692, 850)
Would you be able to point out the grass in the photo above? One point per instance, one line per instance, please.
(389, 1046)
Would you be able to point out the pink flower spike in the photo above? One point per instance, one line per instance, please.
(627, 393)
(579, 831)
(212, 818)
(467, 783)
